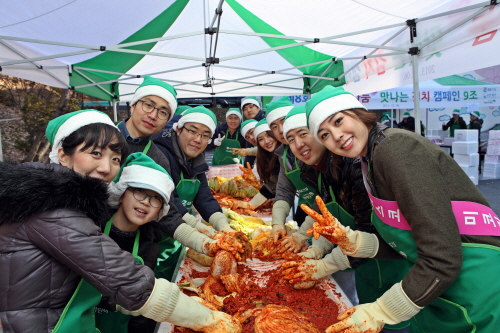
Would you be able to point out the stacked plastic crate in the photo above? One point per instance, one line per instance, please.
(492, 157)
(465, 152)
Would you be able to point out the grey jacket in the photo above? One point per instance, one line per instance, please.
(50, 238)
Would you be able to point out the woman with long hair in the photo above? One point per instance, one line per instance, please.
(427, 211)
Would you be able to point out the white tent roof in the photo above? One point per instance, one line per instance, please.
(263, 47)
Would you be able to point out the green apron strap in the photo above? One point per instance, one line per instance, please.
(146, 149)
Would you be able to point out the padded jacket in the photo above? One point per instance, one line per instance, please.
(50, 238)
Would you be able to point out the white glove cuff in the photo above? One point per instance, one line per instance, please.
(190, 237)
(366, 243)
(161, 302)
(397, 305)
(313, 252)
(257, 200)
(340, 259)
(306, 225)
(219, 222)
(281, 209)
(198, 225)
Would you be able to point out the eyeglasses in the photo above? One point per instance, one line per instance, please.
(154, 200)
(148, 107)
(204, 137)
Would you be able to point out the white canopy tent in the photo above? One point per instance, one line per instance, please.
(244, 47)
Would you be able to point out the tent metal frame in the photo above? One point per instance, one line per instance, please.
(211, 62)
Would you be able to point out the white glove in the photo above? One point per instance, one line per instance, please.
(281, 209)
(257, 200)
(192, 238)
(219, 221)
(167, 304)
(218, 140)
(354, 243)
(318, 248)
(313, 270)
(295, 241)
(198, 225)
(391, 308)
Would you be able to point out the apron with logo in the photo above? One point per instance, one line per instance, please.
(170, 249)
(374, 277)
(116, 321)
(78, 315)
(223, 155)
(305, 192)
(470, 303)
(452, 130)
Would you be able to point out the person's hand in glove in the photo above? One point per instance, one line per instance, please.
(313, 270)
(198, 225)
(318, 248)
(353, 243)
(167, 304)
(240, 151)
(281, 209)
(255, 202)
(218, 140)
(235, 240)
(391, 308)
(295, 241)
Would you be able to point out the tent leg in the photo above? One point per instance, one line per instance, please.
(416, 93)
(115, 111)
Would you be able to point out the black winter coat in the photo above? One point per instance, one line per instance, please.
(204, 201)
(50, 238)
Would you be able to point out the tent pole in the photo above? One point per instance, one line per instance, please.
(416, 93)
(115, 111)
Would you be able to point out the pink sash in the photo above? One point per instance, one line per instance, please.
(472, 218)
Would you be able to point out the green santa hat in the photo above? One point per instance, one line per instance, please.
(294, 119)
(155, 87)
(261, 127)
(406, 114)
(456, 111)
(199, 115)
(327, 102)
(234, 111)
(180, 109)
(61, 127)
(140, 171)
(278, 109)
(247, 125)
(250, 100)
(476, 114)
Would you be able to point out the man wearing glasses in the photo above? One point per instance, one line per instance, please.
(184, 145)
(152, 106)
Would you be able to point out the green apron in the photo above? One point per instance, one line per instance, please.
(452, 130)
(170, 249)
(470, 304)
(374, 277)
(106, 321)
(305, 192)
(78, 315)
(223, 155)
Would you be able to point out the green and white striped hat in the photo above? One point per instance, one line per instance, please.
(278, 109)
(456, 111)
(261, 127)
(476, 114)
(181, 109)
(140, 171)
(199, 115)
(247, 125)
(250, 100)
(61, 127)
(234, 111)
(406, 114)
(294, 119)
(156, 87)
(327, 102)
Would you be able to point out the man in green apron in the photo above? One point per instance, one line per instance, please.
(226, 138)
(184, 146)
(456, 122)
(152, 107)
(373, 277)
